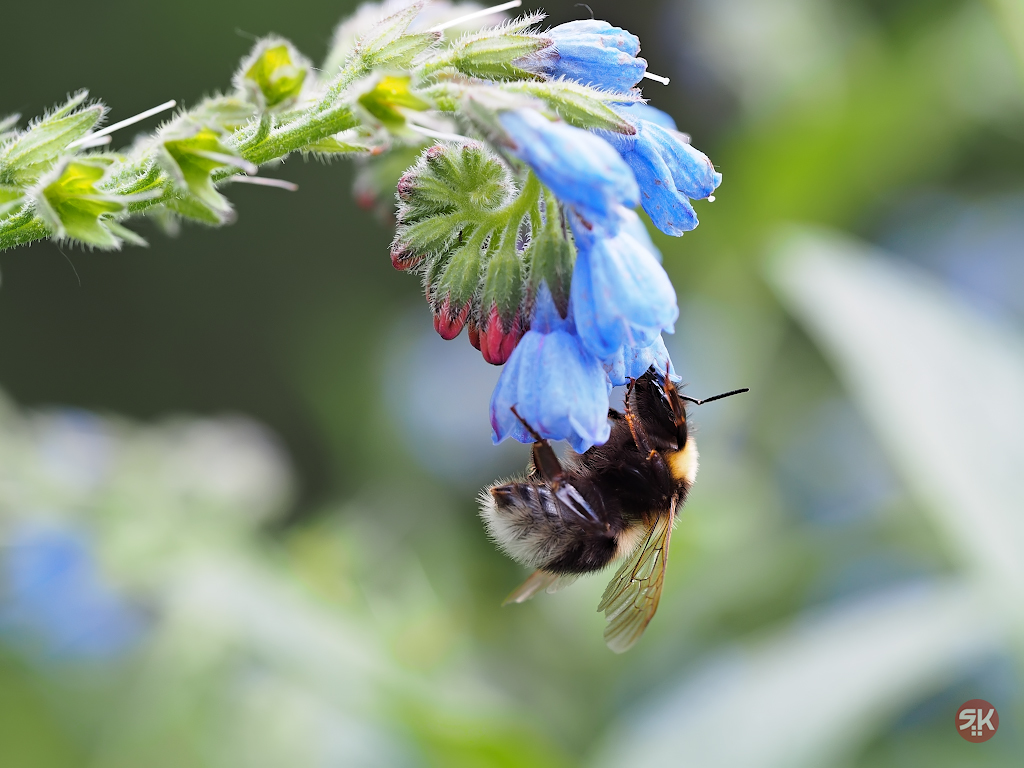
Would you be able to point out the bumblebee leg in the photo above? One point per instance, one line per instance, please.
(643, 444)
(544, 458)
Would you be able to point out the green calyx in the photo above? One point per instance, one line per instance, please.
(552, 256)
(192, 157)
(273, 75)
(73, 206)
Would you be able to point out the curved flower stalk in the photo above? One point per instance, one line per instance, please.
(518, 155)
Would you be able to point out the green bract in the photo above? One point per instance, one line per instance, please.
(76, 208)
(33, 152)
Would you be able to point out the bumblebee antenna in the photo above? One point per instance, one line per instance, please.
(695, 401)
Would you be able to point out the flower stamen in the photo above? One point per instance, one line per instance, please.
(475, 15)
(657, 78)
(90, 139)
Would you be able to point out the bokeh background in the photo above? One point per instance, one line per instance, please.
(238, 470)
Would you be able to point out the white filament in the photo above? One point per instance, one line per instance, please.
(657, 78)
(263, 181)
(90, 139)
(220, 157)
(438, 134)
(475, 15)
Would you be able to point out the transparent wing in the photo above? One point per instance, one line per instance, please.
(539, 580)
(632, 596)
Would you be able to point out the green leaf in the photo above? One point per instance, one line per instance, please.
(911, 353)
(10, 199)
(838, 677)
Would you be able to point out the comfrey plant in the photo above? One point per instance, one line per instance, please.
(520, 219)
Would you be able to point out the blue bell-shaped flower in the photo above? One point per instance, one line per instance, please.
(553, 382)
(669, 171)
(583, 170)
(620, 293)
(595, 53)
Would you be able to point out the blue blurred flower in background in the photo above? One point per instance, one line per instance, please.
(555, 384)
(595, 53)
(581, 169)
(54, 601)
(620, 293)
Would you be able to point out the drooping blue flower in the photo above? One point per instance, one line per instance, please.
(633, 362)
(620, 293)
(582, 169)
(638, 110)
(56, 601)
(555, 384)
(669, 171)
(594, 53)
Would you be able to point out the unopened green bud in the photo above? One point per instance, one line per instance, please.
(34, 151)
(503, 282)
(491, 55)
(577, 104)
(192, 154)
(551, 257)
(70, 203)
(461, 277)
(272, 75)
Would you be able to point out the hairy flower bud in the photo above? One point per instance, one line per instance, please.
(443, 199)
(450, 319)
(593, 52)
(499, 319)
(272, 76)
(72, 205)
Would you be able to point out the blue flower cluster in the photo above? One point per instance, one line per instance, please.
(621, 299)
(56, 602)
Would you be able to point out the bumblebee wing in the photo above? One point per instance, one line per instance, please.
(539, 580)
(632, 596)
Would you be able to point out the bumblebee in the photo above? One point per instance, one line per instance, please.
(617, 500)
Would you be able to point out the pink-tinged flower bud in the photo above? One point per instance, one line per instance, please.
(473, 331)
(498, 339)
(403, 260)
(449, 321)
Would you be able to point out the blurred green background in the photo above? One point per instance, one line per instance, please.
(238, 469)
